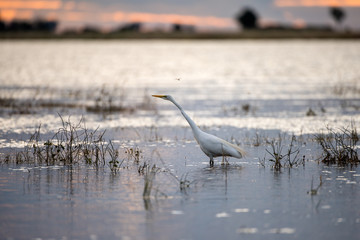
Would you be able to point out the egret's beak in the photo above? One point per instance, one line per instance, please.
(159, 96)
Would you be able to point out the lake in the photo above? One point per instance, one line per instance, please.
(257, 94)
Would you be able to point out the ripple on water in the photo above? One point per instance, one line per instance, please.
(241, 210)
(247, 230)
(177, 212)
(222, 215)
(284, 230)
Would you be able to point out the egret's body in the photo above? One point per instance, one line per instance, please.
(211, 145)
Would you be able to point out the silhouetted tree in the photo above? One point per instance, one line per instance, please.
(338, 14)
(91, 29)
(2, 26)
(20, 26)
(247, 18)
(176, 27)
(28, 26)
(130, 27)
(44, 25)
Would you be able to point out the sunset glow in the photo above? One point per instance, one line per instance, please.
(31, 4)
(106, 16)
(171, 18)
(9, 15)
(71, 11)
(317, 3)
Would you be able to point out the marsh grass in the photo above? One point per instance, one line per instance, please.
(134, 153)
(347, 87)
(284, 157)
(73, 143)
(339, 146)
(142, 168)
(108, 100)
(150, 172)
(154, 134)
(240, 109)
(105, 101)
(183, 182)
(259, 139)
(114, 163)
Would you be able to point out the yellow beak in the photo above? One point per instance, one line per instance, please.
(159, 96)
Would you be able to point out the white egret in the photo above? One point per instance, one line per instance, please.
(211, 145)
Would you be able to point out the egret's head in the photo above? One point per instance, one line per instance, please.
(165, 97)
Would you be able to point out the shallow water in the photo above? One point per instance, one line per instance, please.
(234, 201)
(243, 91)
(212, 80)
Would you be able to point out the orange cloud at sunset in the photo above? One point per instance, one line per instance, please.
(9, 15)
(317, 3)
(30, 4)
(172, 18)
(69, 5)
(90, 13)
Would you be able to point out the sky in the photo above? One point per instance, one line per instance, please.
(203, 14)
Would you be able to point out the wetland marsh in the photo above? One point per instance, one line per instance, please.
(86, 153)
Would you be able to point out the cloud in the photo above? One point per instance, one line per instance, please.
(317, 3)
(85, 12)
(9, 14)
(296, 22)
(30, 4)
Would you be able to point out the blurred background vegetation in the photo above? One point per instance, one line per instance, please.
(247, 19)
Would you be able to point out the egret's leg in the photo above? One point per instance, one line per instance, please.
(211, 161)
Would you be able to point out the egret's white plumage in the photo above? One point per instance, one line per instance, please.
(211, 145)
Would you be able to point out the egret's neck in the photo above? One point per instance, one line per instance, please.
(192, 124)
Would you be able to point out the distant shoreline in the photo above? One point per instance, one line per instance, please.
(260, 34)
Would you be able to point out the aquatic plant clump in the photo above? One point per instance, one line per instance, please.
(287, 158)
(71, 144)
(149, 176)
(339, 147)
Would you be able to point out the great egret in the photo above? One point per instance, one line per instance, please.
(211, 145)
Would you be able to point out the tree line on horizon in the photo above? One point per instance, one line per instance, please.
(247, 19)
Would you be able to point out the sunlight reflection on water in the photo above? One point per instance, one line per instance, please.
(216, 80)
(234, 89)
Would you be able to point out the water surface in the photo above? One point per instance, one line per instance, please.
(247, 92)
